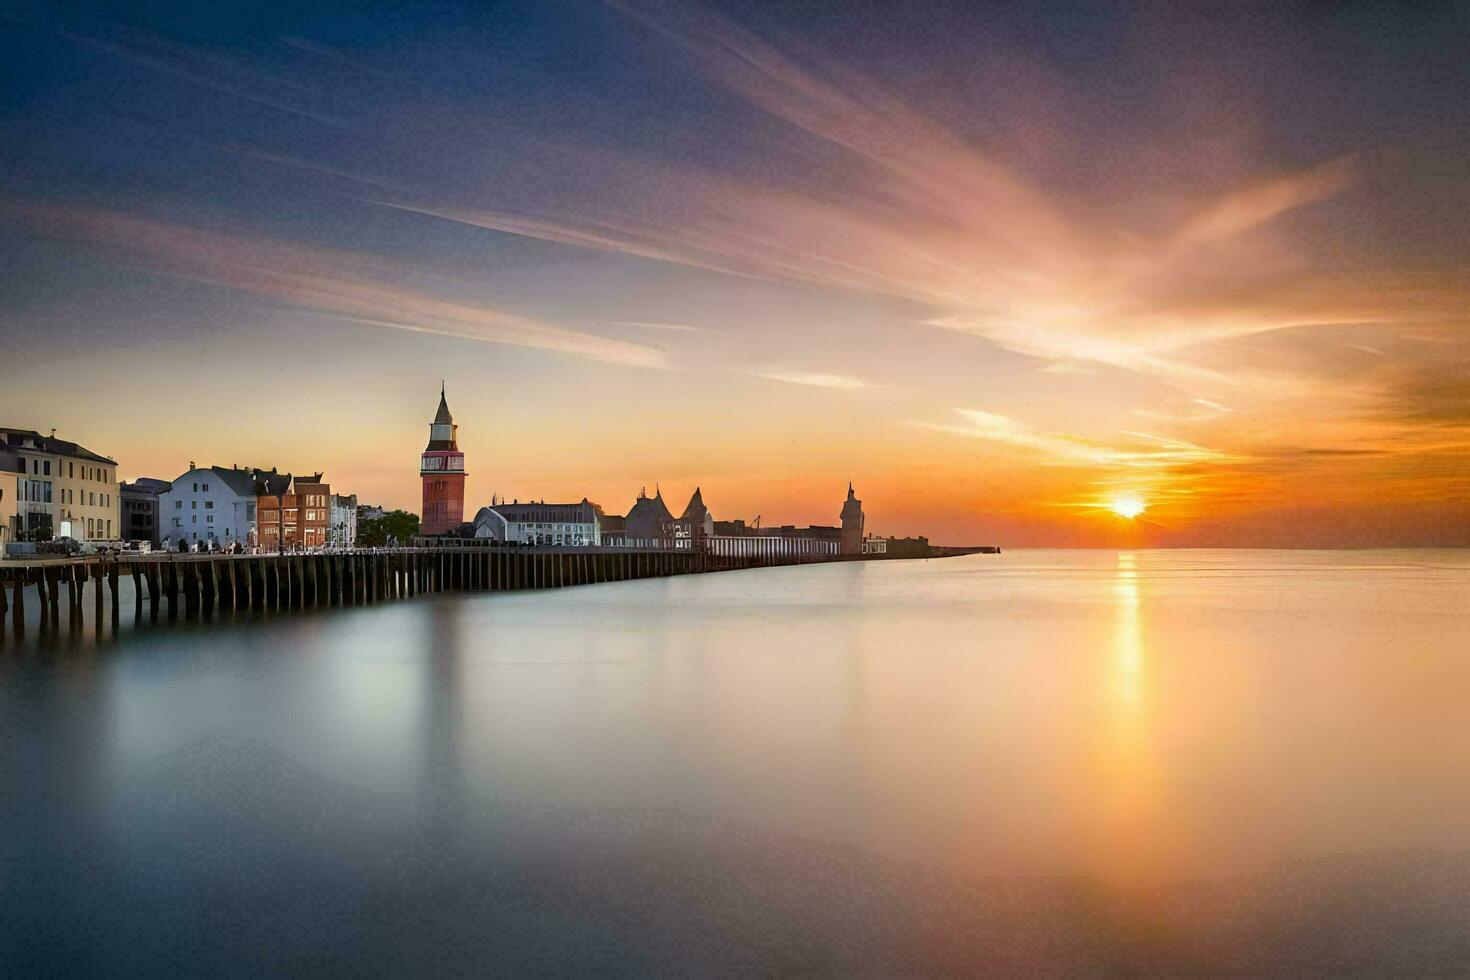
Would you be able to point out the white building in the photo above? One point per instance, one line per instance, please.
(209, 503)
(61, 490)
(342, 529)
(874, 545)
(568, 525)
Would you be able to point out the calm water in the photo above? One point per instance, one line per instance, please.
(1151, 761)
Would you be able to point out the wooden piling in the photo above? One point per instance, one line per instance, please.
(17, 587)
(53, 591)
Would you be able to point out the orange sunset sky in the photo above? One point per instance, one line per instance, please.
(1008, 278)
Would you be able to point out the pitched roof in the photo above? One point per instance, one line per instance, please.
(240, 482)
(147, 484)
(696, 508)
(272, 484)
(442, 417)
(50, 444)
(653, 508)
(583, 513)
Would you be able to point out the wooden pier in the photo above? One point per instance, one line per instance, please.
(192, 583)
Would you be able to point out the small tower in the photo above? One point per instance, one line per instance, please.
(852, 524)
(698, 520)
(442, 469)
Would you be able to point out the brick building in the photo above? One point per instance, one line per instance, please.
(292, 513)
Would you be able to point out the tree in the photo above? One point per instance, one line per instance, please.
(394, 527)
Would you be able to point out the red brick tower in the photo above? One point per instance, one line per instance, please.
(442, 468)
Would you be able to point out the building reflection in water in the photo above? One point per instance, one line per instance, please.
(442, 791)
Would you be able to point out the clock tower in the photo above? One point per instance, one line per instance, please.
(442, 469)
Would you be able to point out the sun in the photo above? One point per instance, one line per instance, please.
(1129, 507)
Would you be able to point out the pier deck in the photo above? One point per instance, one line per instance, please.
(192, 582)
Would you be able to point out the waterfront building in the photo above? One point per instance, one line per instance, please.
(342, 526)
(209, 503)
(140, 509)
(612, 527)
(852, 524)
(441, 467)
(9, 489)
(874, 545)
(696, 522)
(61, 489)
(293, 512)
(369, 512)
(568, 525)
(909, 547)
(650, 522)
(649, 519)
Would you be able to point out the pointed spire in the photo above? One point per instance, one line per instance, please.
(442, 417)
(696, 510)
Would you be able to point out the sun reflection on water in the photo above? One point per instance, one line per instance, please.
(1131, 821)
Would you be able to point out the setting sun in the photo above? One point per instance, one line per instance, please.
(1129, 507)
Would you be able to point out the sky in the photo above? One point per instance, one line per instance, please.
(1063, 274)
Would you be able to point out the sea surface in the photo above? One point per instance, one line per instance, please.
(1043, 761)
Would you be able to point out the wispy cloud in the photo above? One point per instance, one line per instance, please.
(357, 287)
(669, 327)
(1137, 450)
(928, 216)
(813, 379)
(1241, 210)
(209, 69)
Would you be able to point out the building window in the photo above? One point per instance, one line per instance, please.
(208, 504)
(209, 519)
(193, 505)
(178, 505)
(206, 488)
(46, 468)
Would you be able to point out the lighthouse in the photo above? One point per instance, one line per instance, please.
(442, 469)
